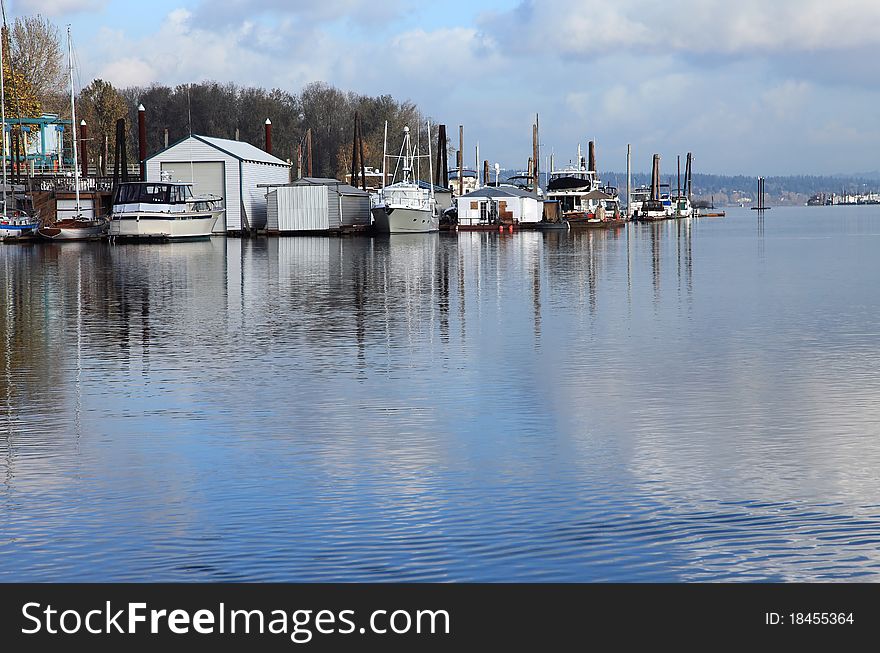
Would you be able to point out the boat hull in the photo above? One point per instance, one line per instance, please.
(579, 223)
(17, 230)
(74, 230)
(162, 227)
(651, 217)
(404, 221)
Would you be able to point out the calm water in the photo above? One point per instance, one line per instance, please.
(688, 401)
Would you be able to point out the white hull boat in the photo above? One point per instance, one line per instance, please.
(146, 225)
(408, 206)
(402, 220)
(163, 211)
(17, 227)
(73, 229)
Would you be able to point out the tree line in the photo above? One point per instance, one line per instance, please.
(36, 82)
(228, 110)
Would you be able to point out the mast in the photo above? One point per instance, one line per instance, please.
(430, 167)
(629, 180)
(460, 160)
(407, 161)
(73, 123)
(477, 164)
(385, 157)
(535, 155)
(3, 119)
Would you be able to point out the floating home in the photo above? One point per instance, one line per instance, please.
(315, 205)
(234, 170)
(495, 205)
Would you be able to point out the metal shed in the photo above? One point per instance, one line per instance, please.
(315, 204)
(232, 169)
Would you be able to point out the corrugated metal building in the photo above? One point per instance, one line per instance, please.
(231, 169)
(315, 204)
(499, 204)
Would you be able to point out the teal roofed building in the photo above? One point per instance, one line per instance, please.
(44, 142)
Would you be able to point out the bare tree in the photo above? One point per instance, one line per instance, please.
(100, 105)
(35, 48)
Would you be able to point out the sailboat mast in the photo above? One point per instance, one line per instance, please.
(385, 157)
(73, 123)
(430, 165)
(3, 119)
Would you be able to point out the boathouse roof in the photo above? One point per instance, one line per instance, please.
(339, 186)
(237, 149)
(501, 191)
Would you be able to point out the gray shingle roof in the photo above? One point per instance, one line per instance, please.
(501, 191)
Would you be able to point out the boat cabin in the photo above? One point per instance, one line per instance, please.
(572, 179)
(164, 197)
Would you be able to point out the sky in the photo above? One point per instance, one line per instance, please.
(751, 87)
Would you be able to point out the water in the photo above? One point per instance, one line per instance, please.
(687, 401)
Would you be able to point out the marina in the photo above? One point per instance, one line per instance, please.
(571, 405)
(450, 294)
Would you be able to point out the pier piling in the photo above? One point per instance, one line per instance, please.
(142, 140)
(268, 136)
(83, 147)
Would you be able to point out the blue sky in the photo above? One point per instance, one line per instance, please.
(786, 87)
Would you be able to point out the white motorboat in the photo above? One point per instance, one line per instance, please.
(579, 191)
(638, 197)
(162, 210)
(407, 205)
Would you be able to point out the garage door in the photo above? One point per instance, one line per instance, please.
(205, 176)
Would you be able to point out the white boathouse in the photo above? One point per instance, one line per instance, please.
(499, 203)
(231, 169)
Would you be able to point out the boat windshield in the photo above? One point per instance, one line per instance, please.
(153, 194)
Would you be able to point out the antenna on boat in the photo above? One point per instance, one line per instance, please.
(73, 123)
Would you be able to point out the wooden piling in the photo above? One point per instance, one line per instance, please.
(142, 140)
(83, 148)
(268, 136)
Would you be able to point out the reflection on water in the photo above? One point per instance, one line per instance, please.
(688, 400)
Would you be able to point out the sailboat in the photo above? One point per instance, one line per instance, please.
(408, 205)
(14, 224)
(78, 227)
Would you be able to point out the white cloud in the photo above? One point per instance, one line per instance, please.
(592, 28)
(182, 51)
(369, 12)
(128, 72)
(57, 7)
(708, 79)
(787, 99)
